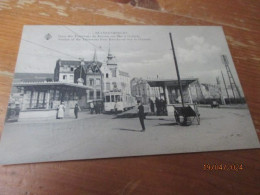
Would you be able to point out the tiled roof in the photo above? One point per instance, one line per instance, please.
(77, 63)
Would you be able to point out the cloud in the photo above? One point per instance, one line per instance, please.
(194, 40)
(197, 55)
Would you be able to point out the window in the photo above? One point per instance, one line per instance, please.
(91, 82)
(107, 98)
(71, 69)
(64, 77)
(71, 77)
(113, 72)
(37, 100)
(98, 95)
(117, 98)
(114, 85)
(107, 75)
(91, 95)
(112, 98)
(98, 82)
(57, 95)
(108, 86)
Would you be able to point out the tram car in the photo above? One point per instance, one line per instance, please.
(117, 100)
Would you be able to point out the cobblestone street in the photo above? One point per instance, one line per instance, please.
(101, 136)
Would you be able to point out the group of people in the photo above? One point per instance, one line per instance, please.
(96, 107)
(61, 111)
(160, 106)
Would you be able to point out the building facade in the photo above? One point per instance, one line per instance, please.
(101, 78)
(114, 79)
(143, 92)
(81, 72)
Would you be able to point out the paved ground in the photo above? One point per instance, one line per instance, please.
(101, 136)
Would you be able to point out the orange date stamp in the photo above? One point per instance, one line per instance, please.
(223, 167)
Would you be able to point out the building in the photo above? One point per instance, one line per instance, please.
(101, 78)
(205, 93)
(41, 99)
(114, 79)
(81, 72)
(64, 70)
(142, 90)
(74, 81)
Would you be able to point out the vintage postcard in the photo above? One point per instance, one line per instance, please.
(86, 92)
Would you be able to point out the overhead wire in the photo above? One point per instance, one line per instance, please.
(96, 46)
(39, 45)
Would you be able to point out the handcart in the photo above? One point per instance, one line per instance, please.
(188, 114)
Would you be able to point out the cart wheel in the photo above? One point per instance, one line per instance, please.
(198, 119)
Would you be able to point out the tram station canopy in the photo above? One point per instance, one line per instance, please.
(50, 84)
(170, 82)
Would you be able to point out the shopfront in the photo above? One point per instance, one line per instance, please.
(41, 99)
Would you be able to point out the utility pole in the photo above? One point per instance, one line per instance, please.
(225, 86)
(230, 77)
(220, 91)
(177, 70)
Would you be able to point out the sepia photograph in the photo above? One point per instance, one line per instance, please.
(89, 92)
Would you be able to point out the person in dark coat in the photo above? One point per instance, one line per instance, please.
(151, 105)
(141, 114)
(76, 110)
(96, 107)
(163, 107)
(157, 104)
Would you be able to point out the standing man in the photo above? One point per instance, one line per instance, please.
(115, 107)
(141, 114)
(151, 105)
(76, 110)
(157, 104)
(91, 107)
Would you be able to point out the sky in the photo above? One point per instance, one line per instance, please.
(142, 51)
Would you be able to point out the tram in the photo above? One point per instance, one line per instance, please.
(118, 100)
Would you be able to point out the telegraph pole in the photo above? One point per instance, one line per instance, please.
(231, 78)
(225, 86)
(177, 70)
(220, 91)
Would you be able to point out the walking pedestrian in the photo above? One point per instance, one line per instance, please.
(76, 110)
(141, 114)
(60, 111)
